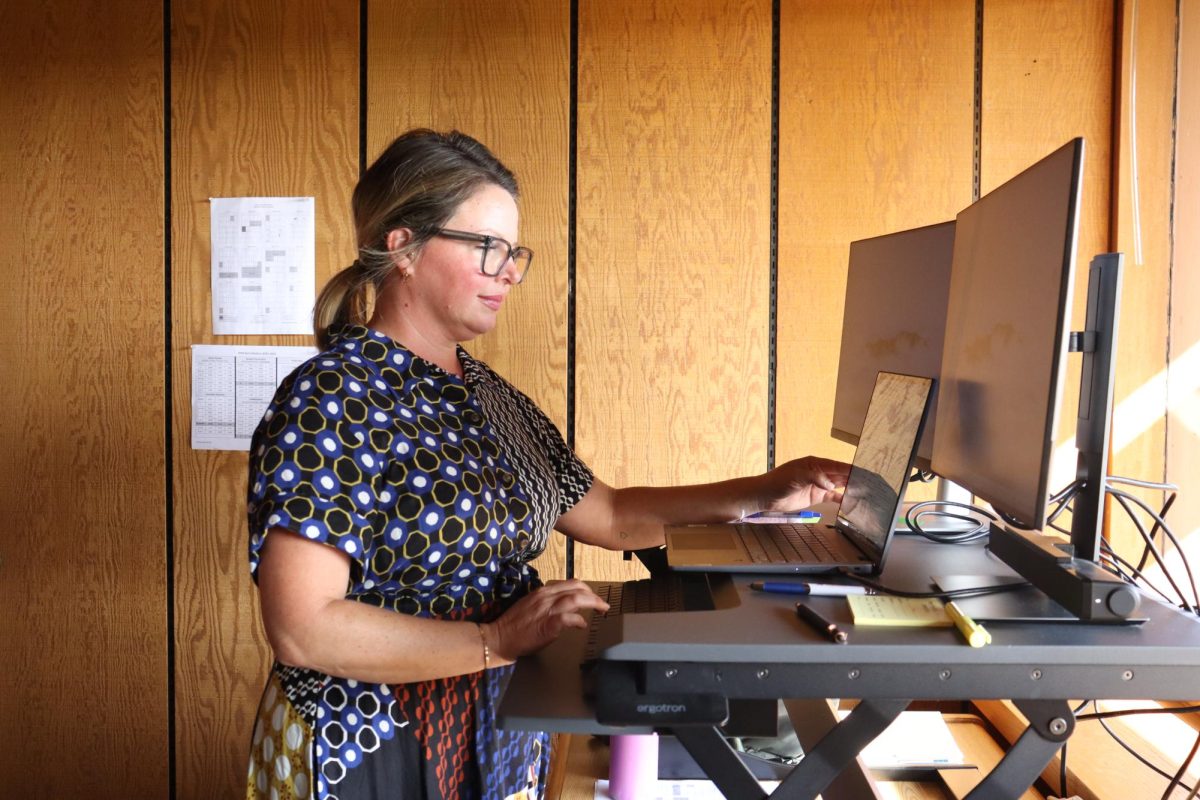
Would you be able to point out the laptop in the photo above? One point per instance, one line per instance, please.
(859, 538)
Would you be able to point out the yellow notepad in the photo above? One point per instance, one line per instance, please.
(882, 609)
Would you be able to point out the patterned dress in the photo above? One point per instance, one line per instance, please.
(440, 490)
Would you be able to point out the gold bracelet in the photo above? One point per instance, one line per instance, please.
(487, 655)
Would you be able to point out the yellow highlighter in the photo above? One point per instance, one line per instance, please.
(975, 634)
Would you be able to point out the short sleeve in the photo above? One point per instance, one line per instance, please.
(312, 466)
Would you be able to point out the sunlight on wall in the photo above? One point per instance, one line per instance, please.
(1166, 733)
(1133, 416)
(1175, 566)
(1180, 383)
(1179, 386)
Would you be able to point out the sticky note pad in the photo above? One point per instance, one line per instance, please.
(882, 609)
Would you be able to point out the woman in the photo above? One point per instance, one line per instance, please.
(399, 489)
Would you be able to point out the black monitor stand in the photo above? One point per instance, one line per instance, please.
(1098, 343)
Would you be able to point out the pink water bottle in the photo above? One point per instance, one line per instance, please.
(633, 767)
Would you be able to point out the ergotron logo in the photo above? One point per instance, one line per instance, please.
(662, 708)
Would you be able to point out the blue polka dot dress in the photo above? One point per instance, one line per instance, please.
(440, 490)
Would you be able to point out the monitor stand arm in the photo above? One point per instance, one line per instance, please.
(949, 491)
(831, 748)
(1050, 724)
(709, 748)
(822, 765)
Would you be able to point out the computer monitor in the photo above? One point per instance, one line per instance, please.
(895, 316)
(1006, 338)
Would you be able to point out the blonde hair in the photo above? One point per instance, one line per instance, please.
(417, 183)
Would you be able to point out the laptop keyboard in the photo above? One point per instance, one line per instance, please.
(773, 544)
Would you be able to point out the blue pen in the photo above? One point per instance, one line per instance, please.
(781, 516)
(816, 589)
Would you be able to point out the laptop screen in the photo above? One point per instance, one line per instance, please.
(885, 452)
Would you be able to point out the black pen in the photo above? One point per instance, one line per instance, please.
(826, 627)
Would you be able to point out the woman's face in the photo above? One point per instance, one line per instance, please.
(449, 296)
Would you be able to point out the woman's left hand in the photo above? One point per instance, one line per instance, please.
(803, 482)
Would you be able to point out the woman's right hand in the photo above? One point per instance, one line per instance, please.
(539, 617)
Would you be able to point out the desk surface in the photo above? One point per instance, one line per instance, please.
(760, 649)
(764, 628)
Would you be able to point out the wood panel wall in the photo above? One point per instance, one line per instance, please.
(1142, 230)
(873, 138)
(673, 243)
(669, 350)
(265, 103)
(83, 576)
(1183, 426)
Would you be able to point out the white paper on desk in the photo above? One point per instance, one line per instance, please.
(231, 388)
(915, 739)
(673, 790)
(263, 264)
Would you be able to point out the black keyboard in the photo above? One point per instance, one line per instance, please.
(667, 592)
(642, 596)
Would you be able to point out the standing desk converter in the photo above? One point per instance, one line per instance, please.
(662, 662)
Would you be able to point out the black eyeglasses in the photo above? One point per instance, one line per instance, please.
(494, 252)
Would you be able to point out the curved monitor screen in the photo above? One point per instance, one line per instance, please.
(1006, 336)
(895, 316)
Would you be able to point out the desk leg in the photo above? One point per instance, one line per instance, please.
(1050, 724)
(830, 766)
(719, 762)
(830, 747)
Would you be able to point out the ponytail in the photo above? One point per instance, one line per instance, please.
(343, 301)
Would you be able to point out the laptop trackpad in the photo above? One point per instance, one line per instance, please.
(704, 540)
